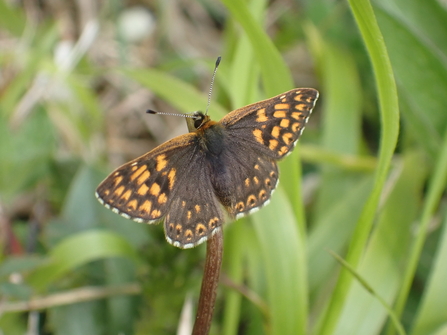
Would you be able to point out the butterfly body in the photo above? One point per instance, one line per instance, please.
(231, 164)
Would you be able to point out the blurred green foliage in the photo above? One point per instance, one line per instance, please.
(74, 84)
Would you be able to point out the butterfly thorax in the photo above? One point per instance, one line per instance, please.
(211, 138)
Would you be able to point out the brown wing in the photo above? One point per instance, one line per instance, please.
(142, 189)
(170, 182)
(272, 127)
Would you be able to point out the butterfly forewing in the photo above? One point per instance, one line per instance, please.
(142, 189)
(273, 126)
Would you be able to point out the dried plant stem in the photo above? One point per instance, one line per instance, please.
(69, 297)
(210, 281)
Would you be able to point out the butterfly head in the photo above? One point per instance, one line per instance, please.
(197, 120)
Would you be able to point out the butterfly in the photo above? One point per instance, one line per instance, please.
(230, 165)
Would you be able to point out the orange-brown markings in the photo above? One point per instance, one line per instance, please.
(213, 222)
(143, 189)
(261, 115)
(279, 114)
(295, 127)
(287, 138)
(282, 106)
(256, 180)
(171, 178)
(197, 208)
(189, 234)
(162, 198)
(273, 144)
(126, 195)
(155, 189)
(272, 174)
(302, 107)
(183, 203)
(284, 123)
(283, 150)
(262, 195)
(251, 200)
(240, 206)
(155, 213)
(107, 191)
(134, 167)
(297, 115)
(275, 131)
(141, 179)
(119, 191)
(137, 173)
(171, 227)
(188, 215)
(117, 180)
(161, 162)
(200, 229)
(298, 97)
(256, 167)
(132, 204)
(268, 182)
(263, 126)
(257, 133)
(247, 182)
(178, 229)
(145, 207)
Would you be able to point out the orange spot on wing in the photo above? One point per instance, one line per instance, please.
(155, 189)
(282, 106)
(197, 207)
(296, 126)
(257, 133)
(119, 191)
(126, 195)
(273, 144)
(279, 114)
(146, 206)
(144, 176)
(162, 199)
(171, 178)
(117, 180)
(275, 131)
(137, 173)
(155, 214)
(200, 229)
(161, 162)
(287, 138)
(284, 123)
(143, 189)
(132, 204)
(261, 115)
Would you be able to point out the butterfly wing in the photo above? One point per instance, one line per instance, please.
(142, 189)
(161, 184)
(243, 180)
(195, 213)
(272, 127)
(258, 135)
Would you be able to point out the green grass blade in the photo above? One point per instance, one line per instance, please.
(387, 93)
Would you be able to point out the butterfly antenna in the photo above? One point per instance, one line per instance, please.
(150, 111)
(212, 83)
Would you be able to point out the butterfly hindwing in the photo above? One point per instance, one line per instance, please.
(248, 182)
(272, 126)
(195, 213)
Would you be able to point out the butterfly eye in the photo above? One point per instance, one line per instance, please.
(198, 119)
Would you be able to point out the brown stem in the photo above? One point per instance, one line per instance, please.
(210, 281)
